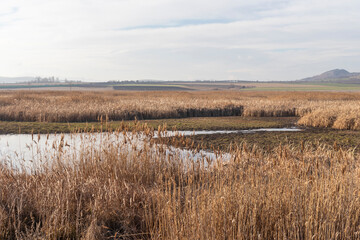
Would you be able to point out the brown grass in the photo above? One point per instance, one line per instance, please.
(118, 193)
(90, 106)
(318, 109)
(338, 115)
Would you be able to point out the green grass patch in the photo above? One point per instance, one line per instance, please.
(331, 84)
(304, 86)
(314, 88)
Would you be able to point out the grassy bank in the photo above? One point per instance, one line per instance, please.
(268, 141)
(214, 123)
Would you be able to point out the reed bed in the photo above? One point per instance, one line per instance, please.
(91, 106)
(338, 115)
(318, 109)
(117, 192)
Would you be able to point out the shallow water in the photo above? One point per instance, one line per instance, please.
(29, 152)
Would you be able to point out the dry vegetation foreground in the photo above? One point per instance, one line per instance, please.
(114, 192)
(338, 110)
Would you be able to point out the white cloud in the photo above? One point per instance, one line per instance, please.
(178, 39)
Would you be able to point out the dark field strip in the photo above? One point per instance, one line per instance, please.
(152, 88)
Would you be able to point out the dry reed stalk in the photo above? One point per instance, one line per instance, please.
(90, 106)
(144, 193)
(339, 115)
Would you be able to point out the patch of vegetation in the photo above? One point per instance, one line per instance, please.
(36, 127)
(268, 141)
(222, 123)
(214, 123)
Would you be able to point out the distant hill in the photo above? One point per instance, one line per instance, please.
(335, 76)
(15, 79)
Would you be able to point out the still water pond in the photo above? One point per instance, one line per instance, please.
(29, 152)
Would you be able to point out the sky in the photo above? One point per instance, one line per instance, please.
(102, 40)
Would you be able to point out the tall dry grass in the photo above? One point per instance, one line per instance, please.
(143, 193)
(318, 109)
(90, 106)
(338, 115)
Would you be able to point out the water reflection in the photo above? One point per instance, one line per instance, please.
(28, 152)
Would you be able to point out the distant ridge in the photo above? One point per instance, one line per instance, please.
(335, 76)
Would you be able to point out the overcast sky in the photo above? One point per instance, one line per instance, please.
(178, 39)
